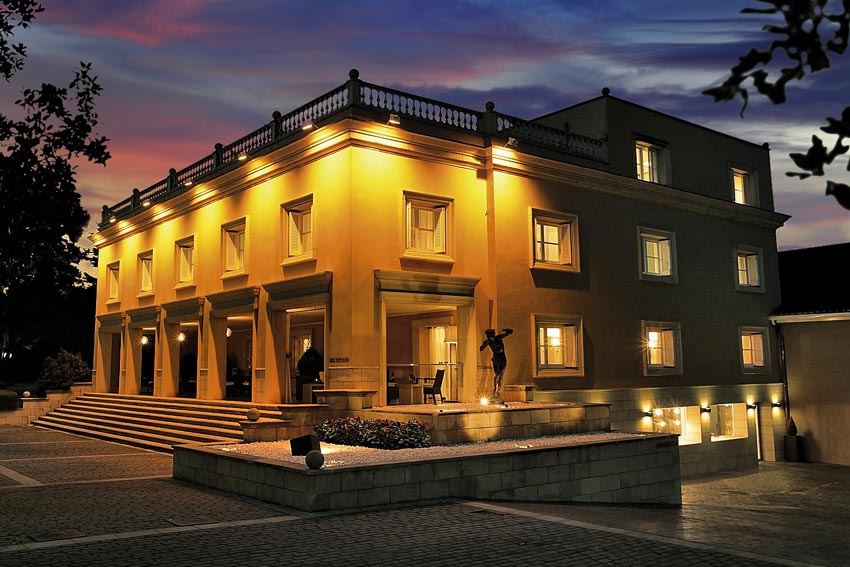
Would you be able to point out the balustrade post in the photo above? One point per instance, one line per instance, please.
(135, 201)
(353, 87)
(172, 179)
(487, 122)
(217, 155)
(104, 215)
(277, 127)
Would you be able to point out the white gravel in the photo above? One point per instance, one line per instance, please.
(344, 455)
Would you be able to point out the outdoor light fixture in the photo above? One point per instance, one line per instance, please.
(394, 120)
(146, 203)
(776, 404)
(705, 409)
(188, 183)
(181, 337)
(243, 155)
(228, 332)
(307, 126)
(648, 414)
(512, 143)
(484, 401)
(752, 406)
(112, 219)
(145, 340)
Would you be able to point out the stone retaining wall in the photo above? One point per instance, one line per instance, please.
(639, 470)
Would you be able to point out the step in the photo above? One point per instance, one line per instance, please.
(199, 416)
(223, 428)
(116, 438)
(142, 430)
(182, 402)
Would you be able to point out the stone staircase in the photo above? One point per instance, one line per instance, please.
(153, 423)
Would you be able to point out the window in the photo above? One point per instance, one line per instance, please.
(299, 229)
(186, 261)
(728, 421)
(648, 162)
(146, 273)
(683, 421)
(234, 247)
(754, 349)
(658, 255)
(426, 223)
(748, 263)
(663, 349)
(744, 187)
(112, 282)
(555, 240)
(559, 344)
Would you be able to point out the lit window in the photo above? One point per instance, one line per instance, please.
(662, 347)
(112, 281)
(683, 421)
(299, 222)
(648, 162)
(753, 349)
(743, 186)
(146, 272)
(234, 248)
(748, 264)
(555, 240)
(426, 225)
(186, 261)
(728, 421)
(658, 255)
(559, 344)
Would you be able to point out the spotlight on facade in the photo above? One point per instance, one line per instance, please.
(228, 332)
(512, 143)
(648, 414)
(705, 409)
(484, 400)
(776, 404)
(243, 155)
(112, 219)
(307, 126)
(146, 203)
(188, 183)
(181, 337)
(394, 120)
(752, 406)
(145, 340)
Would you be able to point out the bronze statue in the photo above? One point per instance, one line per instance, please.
(500, 361)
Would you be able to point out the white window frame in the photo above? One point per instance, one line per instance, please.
(416, 208)
(145, 264)
(650, 161)
(749, 269)
(667, 270)
(234, 248)
(752, 361)
(744, 186)
(737, 419)
(662, 348)
(683, 421)
(299, 243)
(113, 282)
(185, 265)
(566, 241)
(570, 366)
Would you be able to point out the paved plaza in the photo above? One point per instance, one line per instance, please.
(69, 500)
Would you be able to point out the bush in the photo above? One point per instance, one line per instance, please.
(376, 433)
(8, 400)
(61, 371)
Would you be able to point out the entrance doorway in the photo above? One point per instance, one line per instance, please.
(306, 333)
(114, 369)
(187, 340)
(239, 368)
(146, 375)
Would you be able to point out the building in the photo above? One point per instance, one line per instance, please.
(814, 323)
(632, 253)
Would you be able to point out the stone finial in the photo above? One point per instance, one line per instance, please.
(276, 115)
(219, 146)
(490, 106)
(253, 414)
(172, 171)
(606, 91)
(354, 74)
(766, 146)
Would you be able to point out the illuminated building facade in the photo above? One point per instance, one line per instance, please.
(632, 253)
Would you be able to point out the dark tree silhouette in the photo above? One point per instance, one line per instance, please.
(41, 217)
(812, 31)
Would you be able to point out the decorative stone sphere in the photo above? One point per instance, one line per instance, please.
(315, 459)
(27, 394)
(253, 414)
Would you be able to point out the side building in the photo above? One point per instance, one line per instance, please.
(632, 253)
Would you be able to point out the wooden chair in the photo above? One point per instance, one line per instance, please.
(435, 389)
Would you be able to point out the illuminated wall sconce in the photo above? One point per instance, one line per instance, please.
(145, 340)
(228, 332)
(112, 219)
(776, 404)
(647, 414)
(307, 126)
(705, 409)
(243, 155)
(752, 406)
(181, 337)
(146, 203)
(512, 143)
(188, 183)
(394, 120)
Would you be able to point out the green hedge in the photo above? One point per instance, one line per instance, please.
(8, 400)
(376, 433)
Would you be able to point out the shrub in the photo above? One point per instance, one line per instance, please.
(61, 371)
(376, 433)
(8, 400)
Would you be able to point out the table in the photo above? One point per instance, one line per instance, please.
(410, 393)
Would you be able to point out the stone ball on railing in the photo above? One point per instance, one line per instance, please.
(253, 414)
(27, 394)
(314, 460)
(606, 91)
(172, 171)
(490, 106)
(276, 115)
(219, 146)
(354, 74)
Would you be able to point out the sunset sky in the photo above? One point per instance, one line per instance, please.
(181, 75)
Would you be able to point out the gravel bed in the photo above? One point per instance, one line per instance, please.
(345, 455)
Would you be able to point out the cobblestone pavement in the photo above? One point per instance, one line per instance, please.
(730, 520)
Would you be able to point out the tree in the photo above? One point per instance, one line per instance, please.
(41, 216)
(803, 41)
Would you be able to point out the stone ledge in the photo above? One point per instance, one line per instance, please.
(347, 398)
(519, 392)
